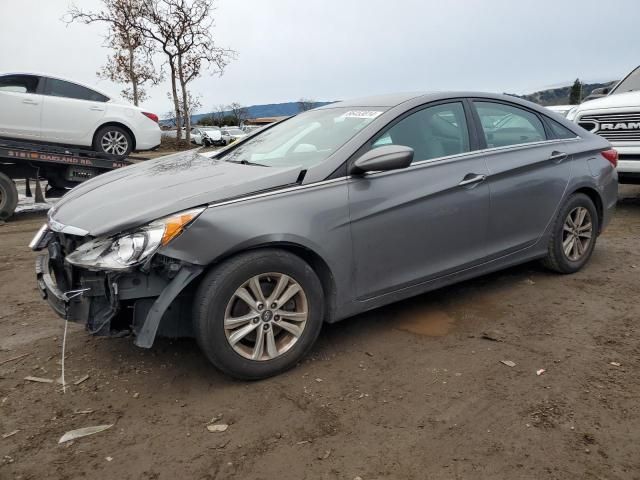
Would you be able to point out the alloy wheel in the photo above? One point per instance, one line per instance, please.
(577, 233)
(114, 143)
(266, 316)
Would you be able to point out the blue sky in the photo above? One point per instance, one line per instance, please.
(330, 49)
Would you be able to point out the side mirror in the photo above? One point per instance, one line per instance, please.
(606, 90)
(381, 159)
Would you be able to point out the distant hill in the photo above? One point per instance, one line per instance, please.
(559, 96)
(269, 110)
(551, 96)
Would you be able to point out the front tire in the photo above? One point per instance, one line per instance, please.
(113, 140)
(257, 314)
(8, 197)
(574, 234)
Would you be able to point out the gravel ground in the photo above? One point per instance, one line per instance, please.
(413, 390)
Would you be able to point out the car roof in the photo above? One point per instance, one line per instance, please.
(388, 100)
(395, 99)
(58, 77)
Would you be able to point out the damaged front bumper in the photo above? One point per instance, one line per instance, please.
(107, 302)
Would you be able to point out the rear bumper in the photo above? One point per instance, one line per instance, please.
(629, 166)
(148, 138)
(629, 160)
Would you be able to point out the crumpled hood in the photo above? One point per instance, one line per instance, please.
(617, 100)
(138, 194)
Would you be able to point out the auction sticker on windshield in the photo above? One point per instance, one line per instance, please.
(361, 114)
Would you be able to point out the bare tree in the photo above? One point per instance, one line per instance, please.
(218, 114)
(132, 60)
(182, 30)
(193, 105)
(133, 66)
(238, 112)
(305, 104)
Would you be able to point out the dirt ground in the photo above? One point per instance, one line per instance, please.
(414, 390)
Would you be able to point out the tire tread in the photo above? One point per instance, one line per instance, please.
(213, 281)
(553, 261)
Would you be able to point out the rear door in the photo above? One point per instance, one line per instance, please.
(409, 226)
(529, 172)
(71, 113)
(20, 106)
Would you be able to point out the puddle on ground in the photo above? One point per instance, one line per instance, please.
(423, 318)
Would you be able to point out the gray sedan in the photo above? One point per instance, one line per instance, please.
(327, 214)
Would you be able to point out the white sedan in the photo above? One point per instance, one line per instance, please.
(230, 135)
(44, 108)
(207, 136)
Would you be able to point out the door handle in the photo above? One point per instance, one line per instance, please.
(557, 157)
(29, 102)
(96, 109)
(472, 178)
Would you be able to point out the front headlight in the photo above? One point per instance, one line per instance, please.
(122, 252)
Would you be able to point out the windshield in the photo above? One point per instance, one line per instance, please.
(629, 84)
(305, 140)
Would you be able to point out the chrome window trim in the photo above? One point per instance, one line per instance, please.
(474, 153)
(413, 166)
(276, 192)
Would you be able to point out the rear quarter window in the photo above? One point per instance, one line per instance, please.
(560, 131)
(61, 88)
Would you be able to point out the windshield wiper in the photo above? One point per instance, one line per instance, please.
(247, 162)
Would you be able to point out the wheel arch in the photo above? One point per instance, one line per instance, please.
(115, 124)
(318, 264)
(596, 198)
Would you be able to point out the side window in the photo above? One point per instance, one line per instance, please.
(432, 132)
(505, 125)
(60, 88)
(560, 131)
(19, 83)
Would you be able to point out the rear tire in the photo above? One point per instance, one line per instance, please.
(271, 335)
(113, 140)
(573, 235)
(8, 197)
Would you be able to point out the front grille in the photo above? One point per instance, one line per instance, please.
(615, 127)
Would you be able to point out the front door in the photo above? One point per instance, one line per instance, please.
(20, 107)
(413, 225)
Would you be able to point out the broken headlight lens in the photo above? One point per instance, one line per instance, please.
(124, 251)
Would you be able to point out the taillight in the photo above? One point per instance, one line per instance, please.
(152, 116)
(612, 156)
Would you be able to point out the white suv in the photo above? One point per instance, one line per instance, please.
(616, 117)
(47, 109)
